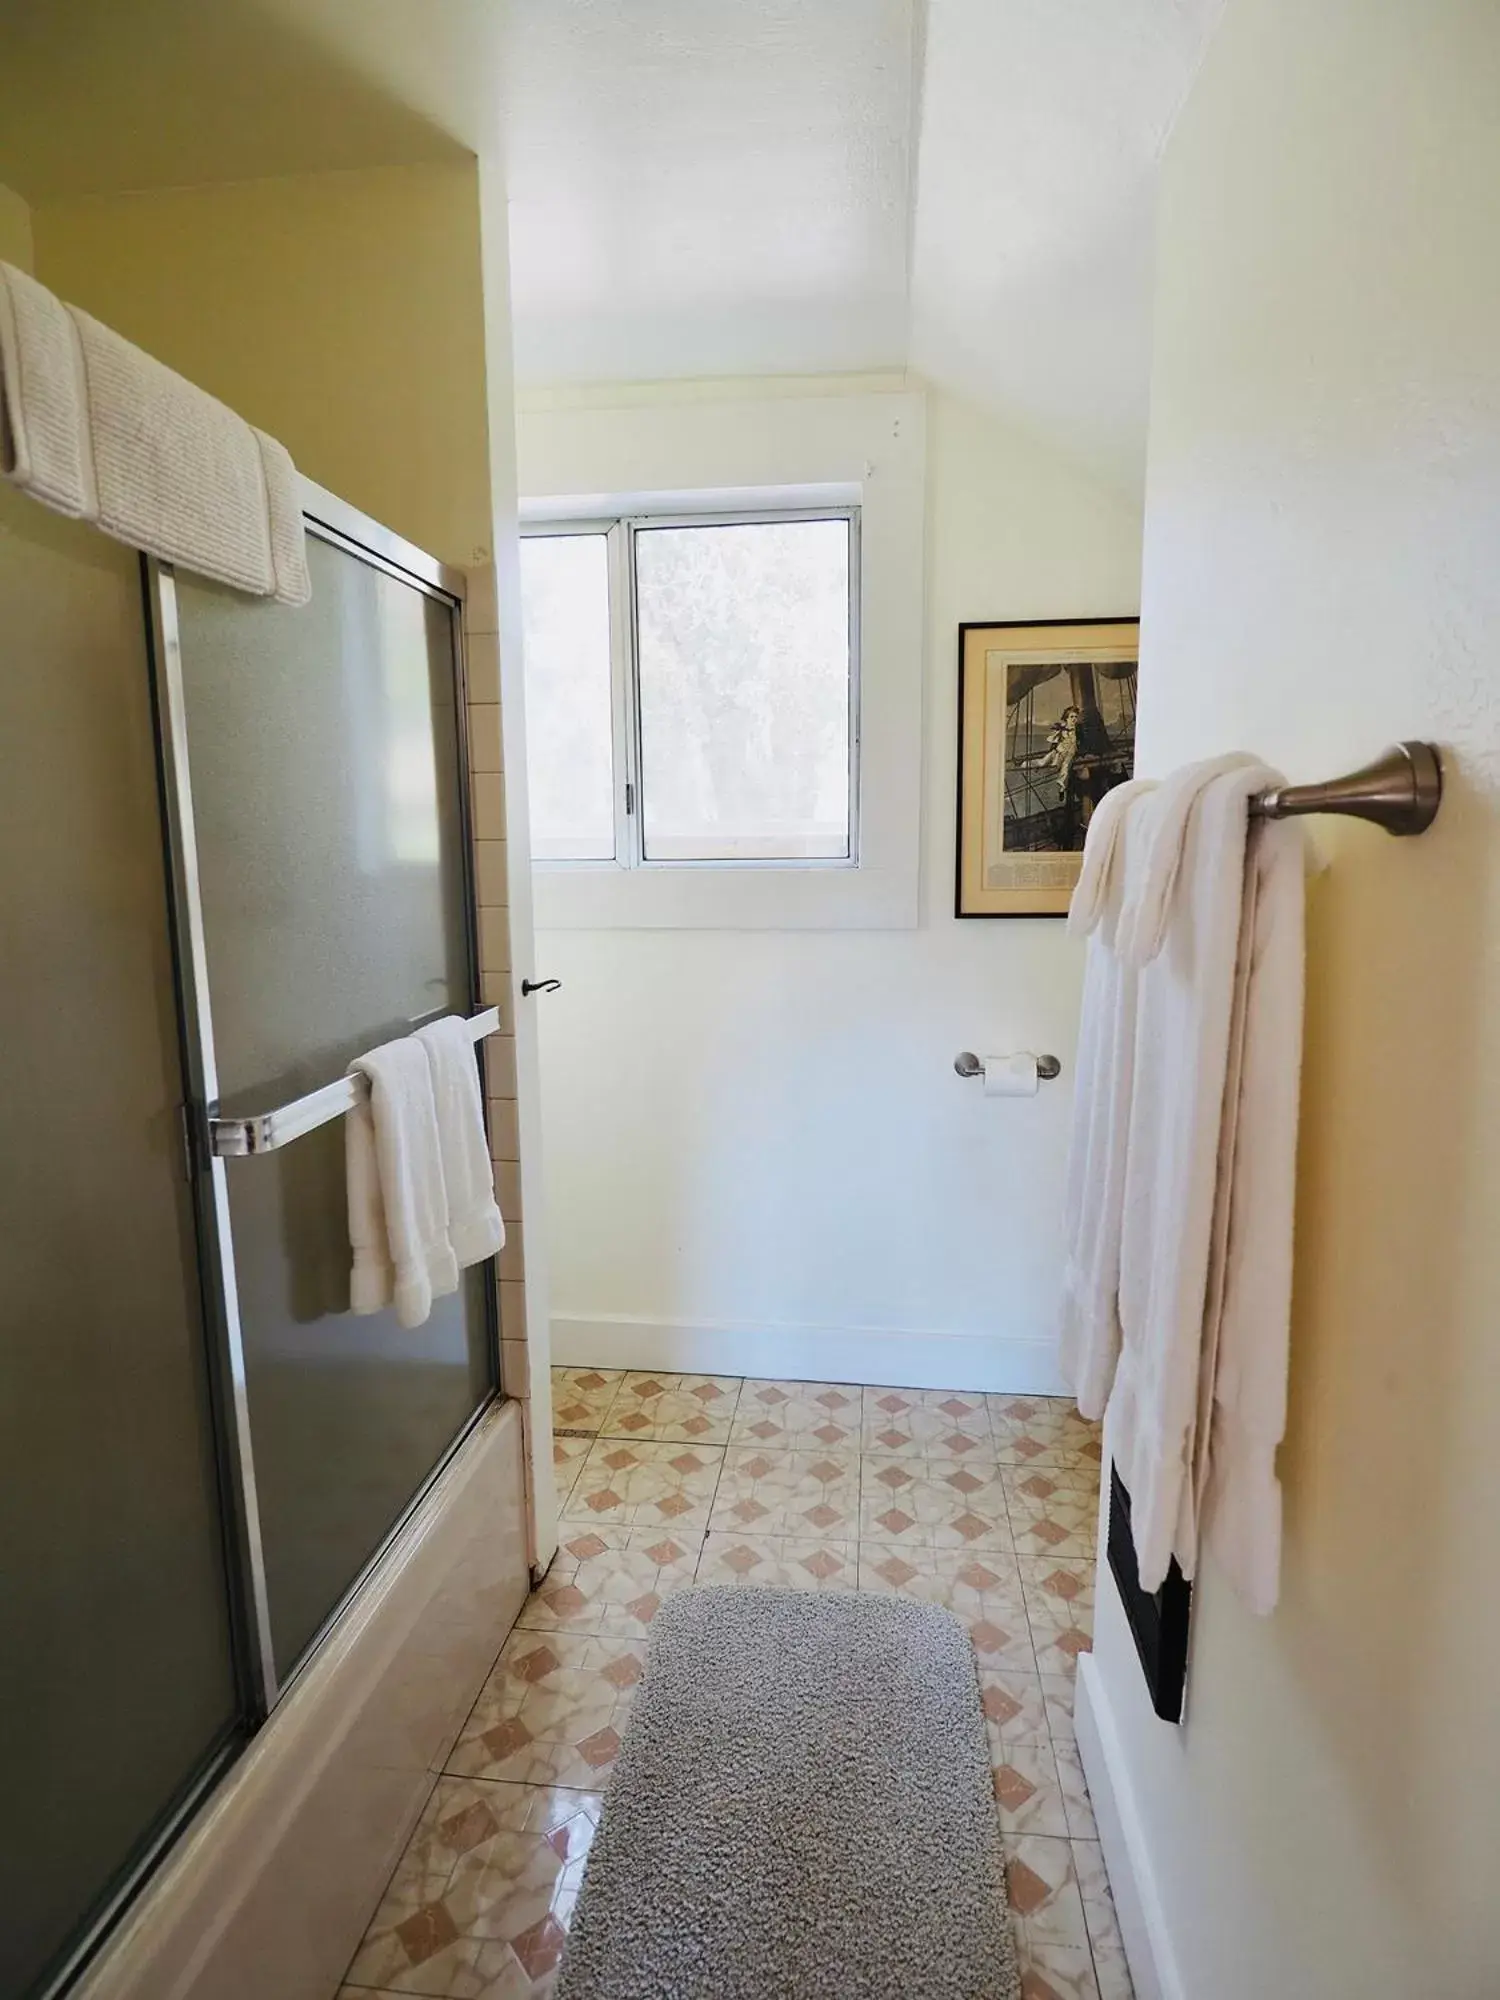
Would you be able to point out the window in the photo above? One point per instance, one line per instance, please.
(570, 762)
(691, 689)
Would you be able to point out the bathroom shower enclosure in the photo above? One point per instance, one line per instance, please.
(238, 855)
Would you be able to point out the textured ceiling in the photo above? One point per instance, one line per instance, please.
(715, 187)
(708, 187)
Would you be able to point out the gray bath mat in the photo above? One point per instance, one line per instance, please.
(802, 1810)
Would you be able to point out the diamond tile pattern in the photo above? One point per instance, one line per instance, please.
(552, 1709)
(607, 1579)
(914, 1422)
(986, 1505)
(686, 1409)
(785, 1416)
(791, 1561)
(480, 1900)
(930, 1501)
(786, 1492)
(625, 1484)
(1054, 1511)
(581, 1396)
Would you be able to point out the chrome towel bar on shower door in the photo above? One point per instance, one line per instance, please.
(264, 1131)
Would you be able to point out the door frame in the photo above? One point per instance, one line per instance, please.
(249, 1603)
(529, 1346)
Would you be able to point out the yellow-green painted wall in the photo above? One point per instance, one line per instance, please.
(15, 230)
(342, 312)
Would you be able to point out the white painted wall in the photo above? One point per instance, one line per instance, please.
(758, 1156)
(1322, 575)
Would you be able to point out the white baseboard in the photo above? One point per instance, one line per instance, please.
(874, 1355)
(1122, 1835)
(270, 1891)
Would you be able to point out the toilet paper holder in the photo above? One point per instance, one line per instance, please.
(966, 1063)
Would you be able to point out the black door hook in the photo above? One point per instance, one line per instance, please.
(530, 986)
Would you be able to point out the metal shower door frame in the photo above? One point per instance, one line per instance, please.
(333, 521)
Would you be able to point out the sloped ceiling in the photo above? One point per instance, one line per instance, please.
(1042, 127)
(714, 187)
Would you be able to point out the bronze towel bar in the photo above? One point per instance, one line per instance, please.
(1400, 791)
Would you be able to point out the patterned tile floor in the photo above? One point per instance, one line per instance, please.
(985, 1504)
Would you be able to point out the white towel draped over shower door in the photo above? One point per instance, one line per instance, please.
(97, 429)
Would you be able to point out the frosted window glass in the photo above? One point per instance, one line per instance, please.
(743, 661)
(569, 752)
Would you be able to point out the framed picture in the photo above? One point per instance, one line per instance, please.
(1046, 726)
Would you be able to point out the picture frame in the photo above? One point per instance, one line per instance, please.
(1046, 726)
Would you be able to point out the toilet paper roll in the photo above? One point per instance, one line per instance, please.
(1010, 1076)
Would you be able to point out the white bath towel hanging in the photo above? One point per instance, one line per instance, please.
(1142, 928)
(1184, 1159)
(475, 1229)
(1242, 1414)
(398, 1207)
(96, 429)
(1088, 1314)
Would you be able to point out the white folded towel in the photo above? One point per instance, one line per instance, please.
(44, 428)
(475, 1229)
(398, 1209)
(98, 430)
(1201, 1011)
(1088, 1315)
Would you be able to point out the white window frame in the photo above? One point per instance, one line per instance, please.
(621, 533)
(661, 450)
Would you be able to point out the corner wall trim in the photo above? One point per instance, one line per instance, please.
(1127, 1860)
(901, 1358)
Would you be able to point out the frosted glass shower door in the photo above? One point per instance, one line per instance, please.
(119, 1697)
(326, 752)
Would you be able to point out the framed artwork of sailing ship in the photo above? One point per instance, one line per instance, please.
(1046, 726)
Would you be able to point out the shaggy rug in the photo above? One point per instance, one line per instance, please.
(802, 1810)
